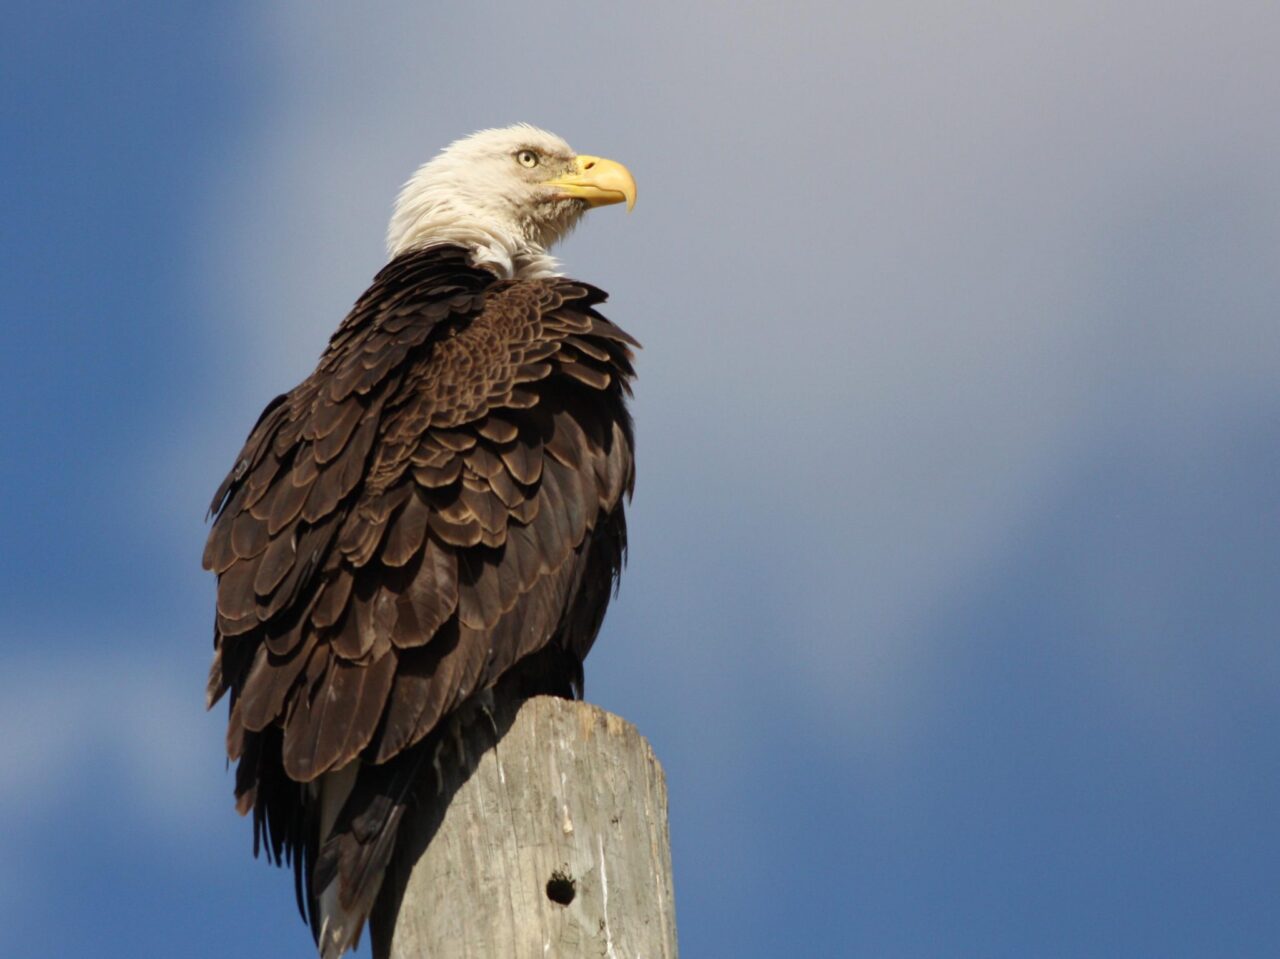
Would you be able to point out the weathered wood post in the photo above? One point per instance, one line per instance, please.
(554, 843)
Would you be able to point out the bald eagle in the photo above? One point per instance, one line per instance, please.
(432, 516)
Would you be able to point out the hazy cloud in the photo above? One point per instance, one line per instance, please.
(895, 269)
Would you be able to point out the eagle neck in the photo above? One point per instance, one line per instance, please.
(498, 251)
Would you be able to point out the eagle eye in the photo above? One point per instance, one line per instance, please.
(527, 158)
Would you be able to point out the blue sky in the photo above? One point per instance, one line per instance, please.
(951, 609)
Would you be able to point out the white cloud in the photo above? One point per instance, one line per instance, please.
(895, 267)
(74, 719)
(110, 740)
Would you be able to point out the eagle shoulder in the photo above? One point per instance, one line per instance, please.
(439, 499)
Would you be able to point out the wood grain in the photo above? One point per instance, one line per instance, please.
(542, 801)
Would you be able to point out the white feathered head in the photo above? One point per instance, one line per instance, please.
(508, 195)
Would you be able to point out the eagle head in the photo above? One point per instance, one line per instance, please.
(508, 195)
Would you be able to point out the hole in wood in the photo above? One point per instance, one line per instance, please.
(561, 887)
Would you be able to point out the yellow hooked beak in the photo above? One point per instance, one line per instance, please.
(598, 181)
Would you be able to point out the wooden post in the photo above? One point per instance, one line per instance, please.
(549, 840)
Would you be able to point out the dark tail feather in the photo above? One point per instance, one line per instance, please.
(365, 844)
(357, 852)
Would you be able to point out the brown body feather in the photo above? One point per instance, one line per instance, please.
(435, 509)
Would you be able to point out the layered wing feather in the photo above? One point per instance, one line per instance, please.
(441, 499)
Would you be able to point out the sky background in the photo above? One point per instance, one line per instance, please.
(952, 604)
